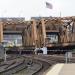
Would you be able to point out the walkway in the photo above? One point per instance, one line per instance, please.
(62, 69)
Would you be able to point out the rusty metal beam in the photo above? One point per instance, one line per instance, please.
(1, 32)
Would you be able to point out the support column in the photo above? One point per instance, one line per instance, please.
(34, 32)
(43, 30)
(1, 32)
(73, 34)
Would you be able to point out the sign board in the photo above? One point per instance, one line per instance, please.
(44, 49)
(69, 54)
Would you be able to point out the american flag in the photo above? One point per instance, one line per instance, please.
(49, 5)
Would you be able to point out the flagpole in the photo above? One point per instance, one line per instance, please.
(60, 14)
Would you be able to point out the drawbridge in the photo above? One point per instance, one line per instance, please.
(57, 34)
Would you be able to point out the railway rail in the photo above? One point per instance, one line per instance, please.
(46, 60)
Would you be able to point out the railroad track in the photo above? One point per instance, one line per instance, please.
(51, 59)
(15, 67)
(46, 60)
(45, 66)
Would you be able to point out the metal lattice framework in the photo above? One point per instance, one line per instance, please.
(34, 32)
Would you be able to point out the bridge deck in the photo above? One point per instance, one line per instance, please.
(62, 46)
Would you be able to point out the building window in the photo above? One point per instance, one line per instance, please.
(15, 40)
(52, 38)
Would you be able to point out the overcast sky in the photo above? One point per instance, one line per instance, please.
(30, 8)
